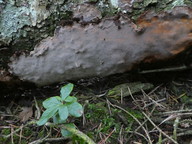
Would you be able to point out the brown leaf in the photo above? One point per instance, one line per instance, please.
(26, 113)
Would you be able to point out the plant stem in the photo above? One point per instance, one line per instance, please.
(79, 134)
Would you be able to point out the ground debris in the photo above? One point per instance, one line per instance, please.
(159, 114)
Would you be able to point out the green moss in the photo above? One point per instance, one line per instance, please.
(107, 12)
(6, 132)
(41, 134)
(157, 6)
(2, 140)
(96, 111)
(77, 140)
(137, 114)
(98, 114)
(188, 3)
(27, 132)
(148, 2)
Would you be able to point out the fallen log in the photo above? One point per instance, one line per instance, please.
(106, 48)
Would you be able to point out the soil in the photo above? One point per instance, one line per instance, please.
(158, 115)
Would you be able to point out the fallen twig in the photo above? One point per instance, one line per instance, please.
(38, 109)
(135, 132)
(74, 131)
(173, 112)
(188, 132)
(39, 141)
(103, 141)
(148, 137)
(175, 126)
(180, 68)
(170, 138)
(143, 122)
(154, 102)
(17, 130)
(120, 139)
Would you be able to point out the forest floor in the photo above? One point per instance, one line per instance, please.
(160, 114)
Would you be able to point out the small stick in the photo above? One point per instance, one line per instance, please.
(175, 125)
(135, 132)
(173, 112)
(38, 109)
(170, 138)
(103, 141)
(134, 98)
(147, 134)
(143, 122)
(154, 102)
(13, 132)
(20, 134)
(108, 105)
(121, 96)
(180, 68)
(39, 141)
(78, 133)
(189, 132)
(120, 135)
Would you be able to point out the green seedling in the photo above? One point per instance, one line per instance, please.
(59, 108)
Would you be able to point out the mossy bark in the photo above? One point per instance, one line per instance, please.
(24, 23)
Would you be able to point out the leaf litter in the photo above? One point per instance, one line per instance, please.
(160, 114)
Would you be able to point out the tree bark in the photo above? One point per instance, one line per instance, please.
(91, 39)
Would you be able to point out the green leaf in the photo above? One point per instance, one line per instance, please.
(75, 109)
(63, 112)
(57, 120)
(50, 112)
(71, 99)
(66, 133)
(66, 90)
(51, 102)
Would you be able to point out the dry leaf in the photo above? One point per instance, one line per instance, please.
(26, 113)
